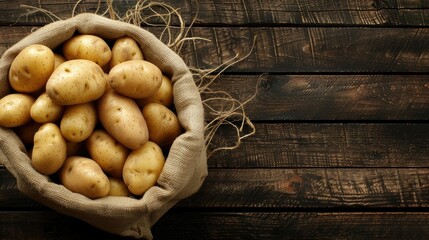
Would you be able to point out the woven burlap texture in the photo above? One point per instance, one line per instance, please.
(186, 164)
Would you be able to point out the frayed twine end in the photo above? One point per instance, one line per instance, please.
(222, 107)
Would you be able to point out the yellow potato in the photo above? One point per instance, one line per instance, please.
(122, 119)
(143, 167)
(118, 188)
(78, 121)
(125, 49)
(76, 81)
(164, 94)
(59, 59)
(26, 132)
(50, 150)
(83, 175)
(31, 68)
(15, 109)
(44, 110)
(89, 47)
(135, 78)
(163, 125)
(107, 152)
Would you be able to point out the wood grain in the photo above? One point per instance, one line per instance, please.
(325, 145)
(308, 49)
(293, 225)
(314, 188)
(327, 97)
(244, 12)
(307, 188)
(230, 225)
(297, 49)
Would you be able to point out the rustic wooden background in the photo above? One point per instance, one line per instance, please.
(342, 143)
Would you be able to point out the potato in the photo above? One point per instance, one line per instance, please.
(143, 167)
(78, 121)
(164, 94)
(15, 109)
(83, 175)
(163, 125)
(75, 82)
(118, 188)
(31, 68)
(107, 152)
(44, 110)
(50, 150)
(89, 47)
(122, 119)
(125, 49)
(58, 59)
(27, 131)
(135, 78)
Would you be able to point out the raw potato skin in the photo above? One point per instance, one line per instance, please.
(118, 188)
(163, 125)
(135, 78)
(44, 110)
(50, 149)
(78, 121)
(83, 175)
(107, 152)
(31, 68)
(15, 109)
(143, 167)
(164, 95)
(89, 47)
(75, 82)
(125, 49)
(122, 119)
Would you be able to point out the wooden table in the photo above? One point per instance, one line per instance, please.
(342, 143)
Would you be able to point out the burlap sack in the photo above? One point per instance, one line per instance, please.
(186, 165)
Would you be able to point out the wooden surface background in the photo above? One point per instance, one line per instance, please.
(342, 143)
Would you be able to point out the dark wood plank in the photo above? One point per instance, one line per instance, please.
(245, 12)
(231, 225)
(311, 49)
(321, 145)
(297, 49)
(328, 188)
(314, 188)
(293, 225)
(328, 97)
(47, 225)
(324, 145)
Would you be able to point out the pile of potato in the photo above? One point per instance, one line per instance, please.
(93, 113)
